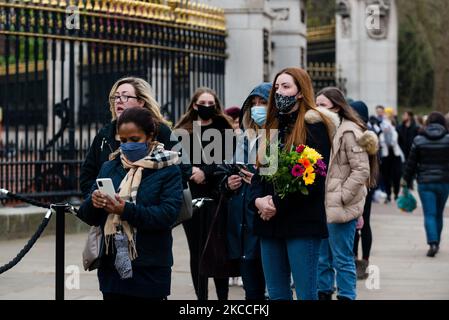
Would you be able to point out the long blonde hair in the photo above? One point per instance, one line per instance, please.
(144, 93)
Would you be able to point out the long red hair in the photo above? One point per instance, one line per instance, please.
(298, 134)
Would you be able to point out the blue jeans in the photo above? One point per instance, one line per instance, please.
(433, 198)
(336, 256)
(296, 256)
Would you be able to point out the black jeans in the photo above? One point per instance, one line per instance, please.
(253, 279)
(196, 232)
(365, 233)
(391, 169)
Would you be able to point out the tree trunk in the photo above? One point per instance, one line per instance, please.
(441, 87)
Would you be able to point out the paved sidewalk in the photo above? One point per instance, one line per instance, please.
(398, 251)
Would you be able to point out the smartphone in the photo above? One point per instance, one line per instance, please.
(106, 186)
(240, 166)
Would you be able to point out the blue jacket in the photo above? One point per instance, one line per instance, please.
(158, 201)
(242, 243)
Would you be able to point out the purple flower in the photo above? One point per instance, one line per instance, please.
(321, 168)
(297, 170)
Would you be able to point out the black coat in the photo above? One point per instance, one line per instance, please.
(211, 186)
(103, 145)
(297, 215)
(406, 136)
(429, 156)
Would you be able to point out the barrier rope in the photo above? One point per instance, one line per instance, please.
(21, 198)
(39, 230)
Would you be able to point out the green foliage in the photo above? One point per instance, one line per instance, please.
(320, 12)
(415, 71)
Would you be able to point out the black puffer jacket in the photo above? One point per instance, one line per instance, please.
(104, 144)
(429, 156)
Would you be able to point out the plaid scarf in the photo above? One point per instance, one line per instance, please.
(157, 158)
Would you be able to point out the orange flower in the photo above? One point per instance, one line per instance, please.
(305, 162)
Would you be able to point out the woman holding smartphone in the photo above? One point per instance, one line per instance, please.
(136, 223)
(242, 243)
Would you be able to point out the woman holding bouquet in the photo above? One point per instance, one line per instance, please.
(291, 227)
(352, 169)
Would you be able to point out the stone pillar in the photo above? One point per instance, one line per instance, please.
(246, 21)
(289, 34)
(255, 27)
(366, 53)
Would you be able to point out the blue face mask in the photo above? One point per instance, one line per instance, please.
(134, 151)
(259, 115)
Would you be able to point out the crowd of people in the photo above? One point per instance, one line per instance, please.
(306, 242)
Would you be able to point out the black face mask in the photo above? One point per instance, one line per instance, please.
(205, 112)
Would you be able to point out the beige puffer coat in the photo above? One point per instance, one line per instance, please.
(348, 172)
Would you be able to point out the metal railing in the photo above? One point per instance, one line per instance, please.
(56, 74)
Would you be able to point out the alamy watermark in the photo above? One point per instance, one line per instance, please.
(72, 281)
(72, 20)
(373, 280)
(372, 21)
(211, 146)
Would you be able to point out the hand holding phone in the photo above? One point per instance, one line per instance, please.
(106, 186)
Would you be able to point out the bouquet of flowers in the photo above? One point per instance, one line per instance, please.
(296, 170)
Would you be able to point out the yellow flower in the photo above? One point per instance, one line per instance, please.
(311, 154)
(309, 176)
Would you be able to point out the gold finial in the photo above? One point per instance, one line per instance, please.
(132, 12)
(104, 6)
(80, 4)
(96, 6)
(63, 3)
(111, 7)
(89, 5)
(153, 11)
(54, 2)
(125, 7)
(139, 9)
(45, 2)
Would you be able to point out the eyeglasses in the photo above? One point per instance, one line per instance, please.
(122, 98)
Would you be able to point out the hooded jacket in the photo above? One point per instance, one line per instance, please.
(429, 156)
(348, 172)
(263, 91)
(241, 241)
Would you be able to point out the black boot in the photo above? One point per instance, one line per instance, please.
(324, 296)
(342, 298)
(433, 249)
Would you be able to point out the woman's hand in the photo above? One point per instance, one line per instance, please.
(266, 207)
(234, 182)
(247, 176)
(198, 175)
(98, 199)
(360, 223)
(114, 207)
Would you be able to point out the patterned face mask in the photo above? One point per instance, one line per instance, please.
(284, 104)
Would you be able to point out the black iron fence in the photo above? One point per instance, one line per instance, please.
(58, 61)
